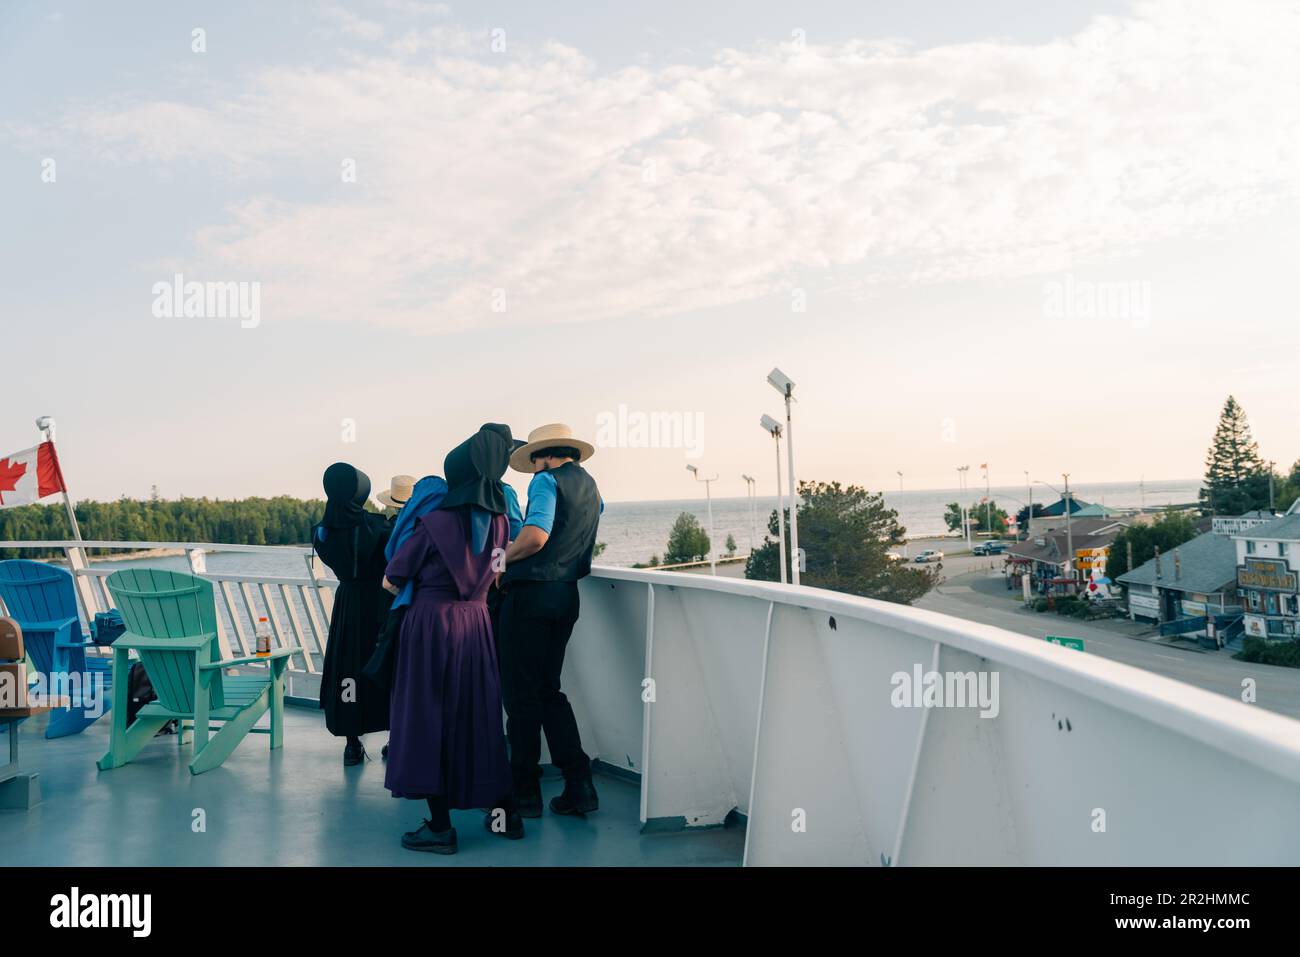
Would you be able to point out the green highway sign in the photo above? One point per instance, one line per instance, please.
(1075, 643)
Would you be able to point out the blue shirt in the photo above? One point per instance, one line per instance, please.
(513, 513)
(541, 502)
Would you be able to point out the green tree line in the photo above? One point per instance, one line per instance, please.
(251, 521)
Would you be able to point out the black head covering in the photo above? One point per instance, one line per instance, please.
(346, 491)
(474, 468)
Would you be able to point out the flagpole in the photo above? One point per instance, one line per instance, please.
(46, 425)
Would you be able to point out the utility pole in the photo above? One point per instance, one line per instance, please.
(1029, 516)
(988, 502)
(1069, 533)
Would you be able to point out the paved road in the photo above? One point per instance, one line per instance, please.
(1277, 689)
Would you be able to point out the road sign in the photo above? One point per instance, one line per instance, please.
(1075, 643)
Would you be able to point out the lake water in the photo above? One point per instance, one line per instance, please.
(634, 531)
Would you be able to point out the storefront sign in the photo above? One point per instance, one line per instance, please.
(1138, 601)
(1255, 626)
(1269, 573)
(1089, 558)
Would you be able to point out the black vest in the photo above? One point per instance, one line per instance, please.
(566, 556)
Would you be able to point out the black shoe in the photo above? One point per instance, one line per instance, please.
(383, 752)
(529, 803)
(427, 839)
(514, 824)
(579, 797)
(353, 754)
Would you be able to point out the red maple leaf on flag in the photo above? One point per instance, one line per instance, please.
(10, 473)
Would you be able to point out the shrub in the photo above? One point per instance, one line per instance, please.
(1258, 650)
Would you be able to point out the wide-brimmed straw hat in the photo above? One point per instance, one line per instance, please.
(398, 492)
(557, 434)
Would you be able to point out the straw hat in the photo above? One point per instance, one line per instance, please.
(398, 492)
(545, 437)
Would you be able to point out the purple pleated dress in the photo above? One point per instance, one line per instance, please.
(446, 735)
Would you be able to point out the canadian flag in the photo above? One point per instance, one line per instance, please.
(29, 476)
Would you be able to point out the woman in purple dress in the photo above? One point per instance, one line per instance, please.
(446, 741)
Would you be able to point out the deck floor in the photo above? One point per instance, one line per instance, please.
(298, 806)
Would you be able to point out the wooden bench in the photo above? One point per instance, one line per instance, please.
(18, 790)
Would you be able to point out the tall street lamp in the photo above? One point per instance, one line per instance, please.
(781, 382)
(773, 428)
(708, 494)
(965, 513)
(751, 493)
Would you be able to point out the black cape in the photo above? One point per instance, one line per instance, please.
(353, 704)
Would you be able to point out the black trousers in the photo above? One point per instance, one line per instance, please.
(537, 619)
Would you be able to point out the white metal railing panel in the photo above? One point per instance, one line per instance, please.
(706, 664)
(828, 694)
(603, 669)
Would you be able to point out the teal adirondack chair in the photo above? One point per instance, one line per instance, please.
(43, 600)
(171, 621)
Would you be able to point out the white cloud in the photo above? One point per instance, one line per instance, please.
(587, 194)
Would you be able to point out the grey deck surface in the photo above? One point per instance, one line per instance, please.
(296, 806)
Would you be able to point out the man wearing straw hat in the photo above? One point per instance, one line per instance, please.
(539, 608)
(398, 493)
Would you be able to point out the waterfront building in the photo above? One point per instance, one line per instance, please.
(1195, 579)
(1267, 570)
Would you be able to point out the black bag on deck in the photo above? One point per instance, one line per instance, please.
(106, 627)
(139, 692)
(379, 669)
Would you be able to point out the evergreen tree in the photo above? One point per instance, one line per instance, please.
(1167, 532)
(982, 517)
(845, 534)
(687, 542)
(1236, 478)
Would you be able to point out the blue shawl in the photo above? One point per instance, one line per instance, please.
(425, 497)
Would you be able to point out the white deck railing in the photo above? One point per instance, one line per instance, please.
(297, 608)
(780, 703)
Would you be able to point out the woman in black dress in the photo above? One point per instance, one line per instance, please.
(351, 542)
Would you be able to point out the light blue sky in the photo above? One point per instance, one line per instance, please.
(650, 189)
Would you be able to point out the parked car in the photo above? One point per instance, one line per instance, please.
(894, 557)
(989, 548)
(929, 555)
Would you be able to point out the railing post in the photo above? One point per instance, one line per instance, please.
(90, 603)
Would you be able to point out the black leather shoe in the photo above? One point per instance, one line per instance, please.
(427, 839)
(579, 797)
(353, 754)
(530, 803)
(514, 824)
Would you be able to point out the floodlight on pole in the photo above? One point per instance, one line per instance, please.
(773, 428)
(783, 384)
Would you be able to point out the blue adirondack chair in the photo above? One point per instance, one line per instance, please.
(43, 600)
(171, 621)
